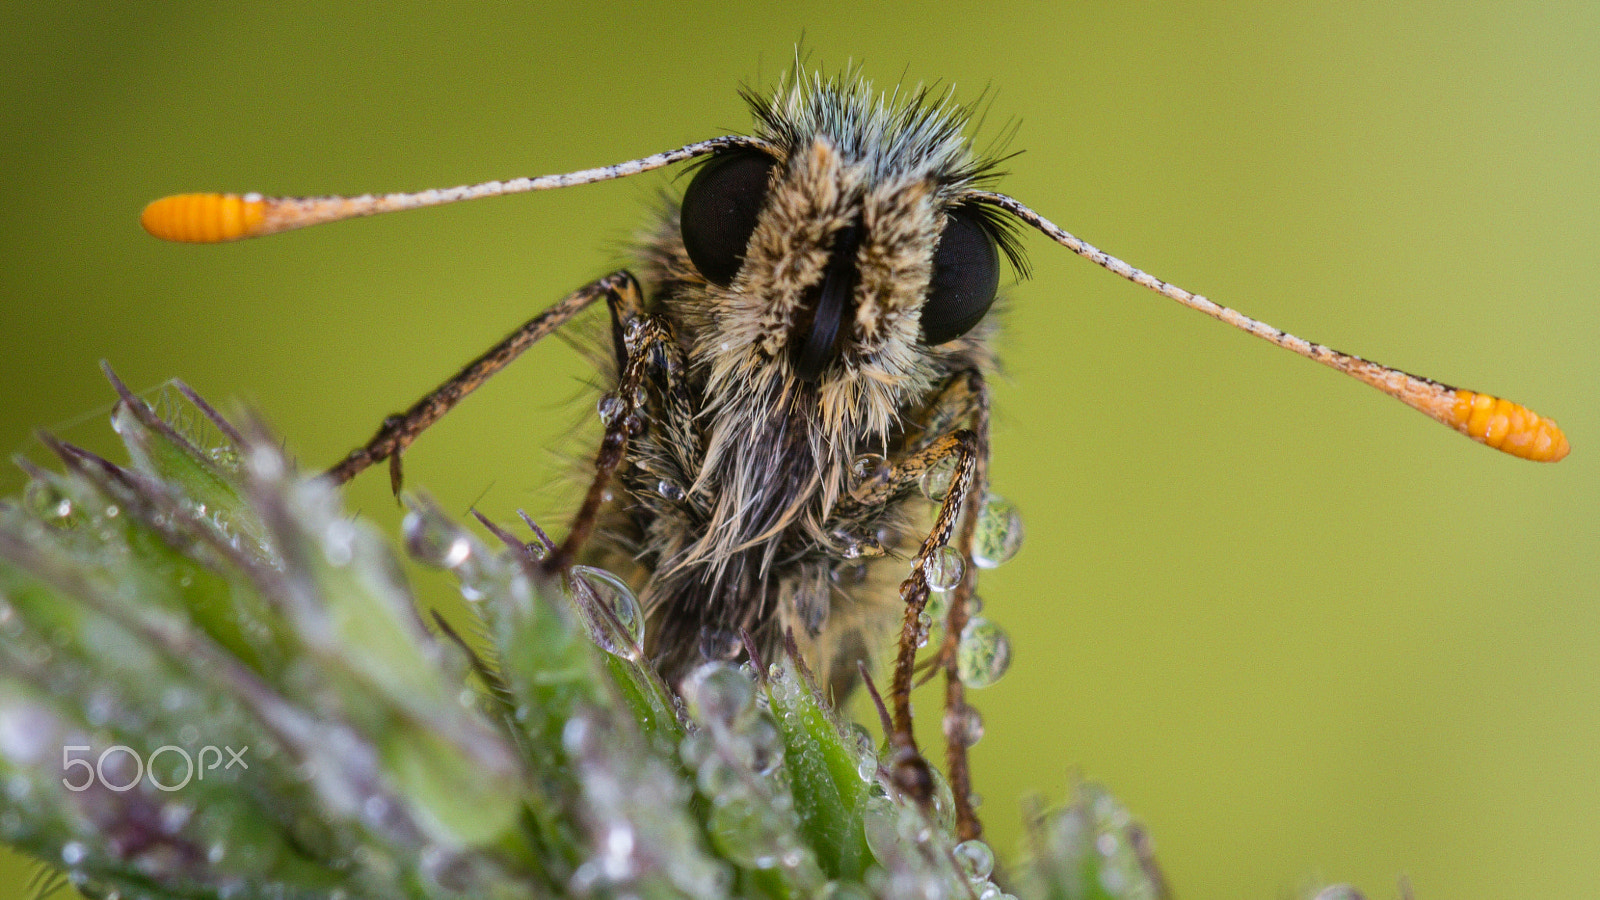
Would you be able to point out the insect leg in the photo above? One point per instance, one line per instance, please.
(964, 399)
(645, 346)
(956, 406)
(399, 430)
(956, 712)
(910, 771)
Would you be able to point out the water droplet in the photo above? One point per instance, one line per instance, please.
(975, 859)
(863, 739)
(854, 546)
(696, 748)
(891, 536)
(881, 820)
(866, 752)
(766, 746)
(747, 832)
(999, 533)
(611, 408)
(963, 726)
(633, 424)
(719, 693)
(853, 573)
(720, 644)
(850, 546)
(935, 482)
(617, 620)
(50, 504)
(944, 801)
(983, 653)
(938, 605)
(719, 780)
(867, 769)
(868, 467)
(669, 491)
(943, 569)
(434, 540)
(801, 870)
(924, 626)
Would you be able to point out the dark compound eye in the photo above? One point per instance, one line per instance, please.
(720, 210)
(966, 275)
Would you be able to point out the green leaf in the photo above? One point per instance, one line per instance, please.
(214, 682)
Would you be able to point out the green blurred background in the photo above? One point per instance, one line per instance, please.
(1303, 632)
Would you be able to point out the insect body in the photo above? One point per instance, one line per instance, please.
(809, 339)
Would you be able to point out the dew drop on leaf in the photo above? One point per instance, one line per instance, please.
(50, 504)
(766, 746)
(434, 540)
(719, 693)
(975, 859)
(618, 620)
(746, 832)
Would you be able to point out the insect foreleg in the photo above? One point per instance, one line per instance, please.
(957, 715)
(911, 773)
(399, 430)
(964, 399)
(646, 347)
(955, 407)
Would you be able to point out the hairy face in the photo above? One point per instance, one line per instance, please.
(838, 255)
(837, 268)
